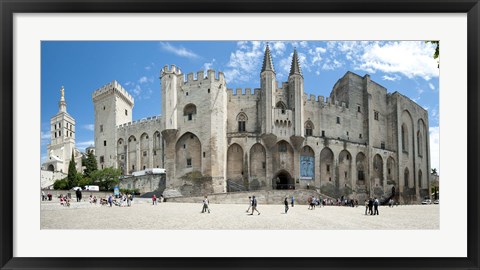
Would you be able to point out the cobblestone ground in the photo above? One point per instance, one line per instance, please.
(83, 215)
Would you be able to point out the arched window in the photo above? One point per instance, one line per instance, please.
(190, 110)
(404, 138)
(406, 176)
(420, 178)
(242, 120)
(419, 143)
(282, 106)
(308, 128)
(282, 146)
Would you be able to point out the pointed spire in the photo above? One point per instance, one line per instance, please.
(63, 93)
(62, 105)
(295, 67)
(267, 61)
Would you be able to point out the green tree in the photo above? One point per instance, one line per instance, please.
(60, 184)
(107, 178)
(84, 181)
(72, 173)
(436, 54)
(90, 164)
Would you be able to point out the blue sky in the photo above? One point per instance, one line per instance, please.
(83, 66)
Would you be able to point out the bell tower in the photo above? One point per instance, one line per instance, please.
(268, 83)
(295, 93)
(62, 139)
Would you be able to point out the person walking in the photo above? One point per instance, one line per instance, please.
(310, 203)
(249, 203)
(293, 201)
(366, 207)
(254, 205)
(370, 206)
(205, 205)
(375, 206)
(286, 204)
(110, 200)
(128, 199)
(78, 194)
(154, 200)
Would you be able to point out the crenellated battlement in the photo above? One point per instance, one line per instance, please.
(247, 92)
(170, 70)
(210, 75)
(113, 86)
(148, 120)
(324, 102)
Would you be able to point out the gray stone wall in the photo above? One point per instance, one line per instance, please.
(145, 184)
(112, 106)
(358, 154)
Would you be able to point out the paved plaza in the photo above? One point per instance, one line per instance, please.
(142, 215)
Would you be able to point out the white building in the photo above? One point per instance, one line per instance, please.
(62, 141)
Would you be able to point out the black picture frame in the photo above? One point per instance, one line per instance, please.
(9, 7)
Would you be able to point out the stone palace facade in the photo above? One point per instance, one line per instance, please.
(360, 141)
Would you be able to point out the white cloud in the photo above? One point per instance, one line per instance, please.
(393, 78)
(45, 135)
(180, 51)
(207, 66)
(431, 86)
(412, 59)
(278, 48)
(90, 127)
(145, 79)
(316, 54)
(331, 64)
(150, 66)
(234, 75)
(434, 115)
(435, 148)
(284, 67)
(82, 145)
(300, 44)
(137, 90)
(244, 61)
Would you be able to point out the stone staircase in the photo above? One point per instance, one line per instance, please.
(263, 197)
(235, 187)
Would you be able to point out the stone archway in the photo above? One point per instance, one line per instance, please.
(283, 180)
(51, 168)
(188, 155)
(235, 164)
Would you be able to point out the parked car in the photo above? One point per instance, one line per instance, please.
(436, 202)
(427, 201)
(92, 188)
(76, 188)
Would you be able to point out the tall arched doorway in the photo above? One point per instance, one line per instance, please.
(235, 163)
(283, 180)
(188, 157)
